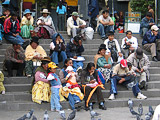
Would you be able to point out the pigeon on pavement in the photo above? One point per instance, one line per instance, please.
(72, 115)
(140, 109)
(133, 112)
(34, 118)
(151, 110)
(46, 116)
(27, 116)
(130, 104)
(62, 114)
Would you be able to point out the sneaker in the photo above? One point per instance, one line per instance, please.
(111, 97)
(29, 76)
(142, 85)
(141, 96)
(3, 92)
(103, 107)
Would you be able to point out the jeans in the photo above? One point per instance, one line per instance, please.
(77, 64)
(73, 99)
(55, 99)
(114, 81)
(54, 56)
(15, 40)
(102, 30)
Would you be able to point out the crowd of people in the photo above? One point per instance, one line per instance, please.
(113, 64)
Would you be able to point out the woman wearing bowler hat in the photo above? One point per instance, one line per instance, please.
(26, 24)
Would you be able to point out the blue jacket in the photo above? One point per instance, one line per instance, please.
(56, 81)
(93, 7)
(150, 38)
(73, 50)
(145, 23)
(55, 36)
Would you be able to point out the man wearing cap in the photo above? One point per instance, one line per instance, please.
(150, 42)
(26, 24)
(33, 55)
(146, 23)
(122, 76)
(75, 25)
(140, 64)
(14, 59)
(12, 29)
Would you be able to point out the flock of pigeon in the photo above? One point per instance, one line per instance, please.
(71, 116)
(138, 114)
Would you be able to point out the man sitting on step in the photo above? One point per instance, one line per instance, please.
(122, 76)
(140, 64)
(14, 59)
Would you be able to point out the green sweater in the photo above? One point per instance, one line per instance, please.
(102, 61)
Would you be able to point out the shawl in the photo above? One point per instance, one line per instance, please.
(99, 56)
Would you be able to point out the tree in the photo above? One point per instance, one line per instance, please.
(47, 3)
(141, 6)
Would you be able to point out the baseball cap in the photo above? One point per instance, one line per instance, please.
(75, 14)
(155, 28)
(52, 65)
(123, 63)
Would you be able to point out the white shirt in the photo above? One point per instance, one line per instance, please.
(133, 40)
(116, 42)
(108, 19)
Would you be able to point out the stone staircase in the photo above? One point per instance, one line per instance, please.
(17, 95)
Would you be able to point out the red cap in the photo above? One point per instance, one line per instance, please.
(123, 63)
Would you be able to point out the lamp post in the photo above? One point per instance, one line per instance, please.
(156, 11)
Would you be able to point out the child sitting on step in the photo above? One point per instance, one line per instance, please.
(2, 88)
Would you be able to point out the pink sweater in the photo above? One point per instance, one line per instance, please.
(40, 76)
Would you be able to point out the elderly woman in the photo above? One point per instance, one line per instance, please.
(26, 24)
(91, 86)
(103, 62)
(41, 88)
(45, 24)
(73, 97)
(33, 54)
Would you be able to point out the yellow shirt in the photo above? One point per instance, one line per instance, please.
(25, 21)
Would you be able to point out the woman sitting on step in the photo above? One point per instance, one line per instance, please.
(41, 89)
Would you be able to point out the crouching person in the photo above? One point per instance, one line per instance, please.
(140, 64)
(122, 76)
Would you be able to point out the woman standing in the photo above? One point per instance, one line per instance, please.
(26, 24)
(103, 62)
(91, 87)
(45, 24)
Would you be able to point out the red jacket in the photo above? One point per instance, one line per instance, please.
(9, 28)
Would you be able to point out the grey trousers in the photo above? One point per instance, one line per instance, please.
(61, 22)
(150, 47)
(76, 31)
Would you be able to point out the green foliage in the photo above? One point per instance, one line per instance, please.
(47, 3)
(141, 5)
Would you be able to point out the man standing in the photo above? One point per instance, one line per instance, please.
(146, 23)
(150, 9)
(93, 11)
(12, 29)
(105, 24)
(150, 43)
(122, 76)
(129, 44)
(14, 59)
(75, 25)
(140, 64)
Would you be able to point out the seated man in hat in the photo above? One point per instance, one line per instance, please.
(150, 42)
(140, 64)
(26, 24)
(14, 59)
(75, 25)
(33, 55)
(122, 76)
(12, 29)
(74, 49)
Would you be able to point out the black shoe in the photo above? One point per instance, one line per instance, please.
(154, 59)
(77, 106)
(102, 107)
(142, 85)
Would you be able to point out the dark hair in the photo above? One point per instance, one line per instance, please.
(110, 33)
(77, 38)
(105, 11)
(14, 14)
(128, 32)
(34, 39)
(129, 64)
(148, 14)
(150, 6)
(6, 10)
(89, 66)
(60, 5)
(65, 62)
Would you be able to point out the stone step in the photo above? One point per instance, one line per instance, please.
(119, 102)
(17, 80)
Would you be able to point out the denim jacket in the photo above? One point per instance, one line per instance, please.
(54, 79)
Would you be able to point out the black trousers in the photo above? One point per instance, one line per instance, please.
(10, 65)
(93, 23)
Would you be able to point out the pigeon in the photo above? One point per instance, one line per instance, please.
(72, 115)
(151, 110)
(147, 117)
(138, 117)
(34, 118)
(130, 104)
(93, 113)
(62, 114)
(27, 116)
(133, 112)
(140, 109)
(46, 116)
